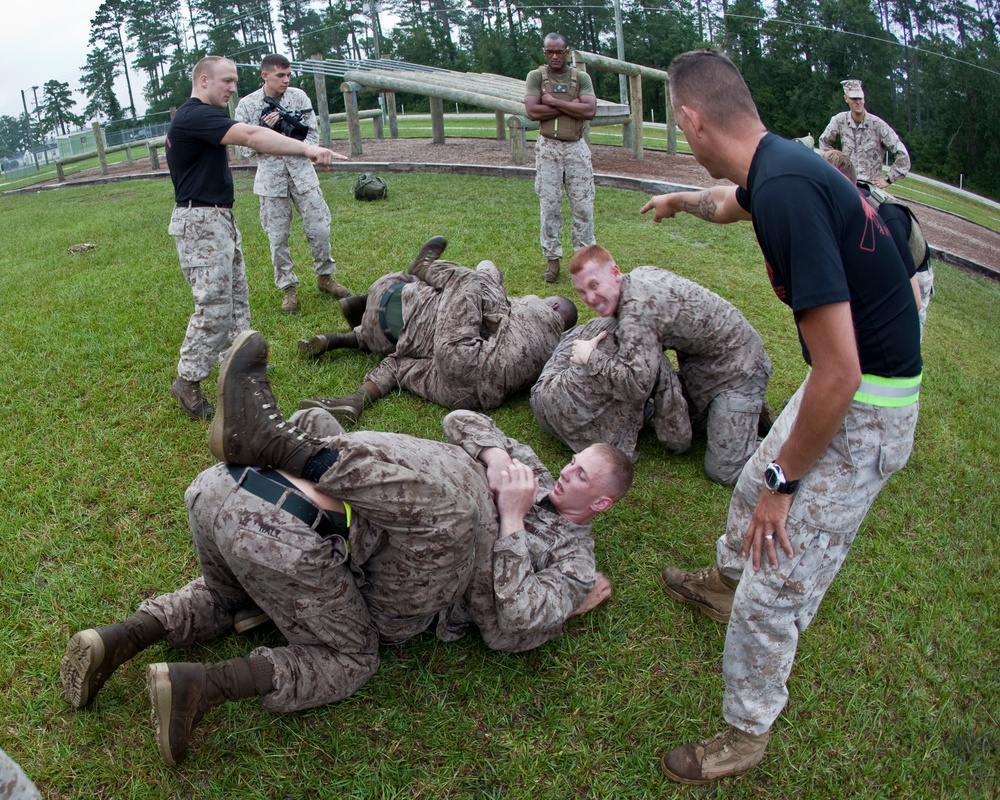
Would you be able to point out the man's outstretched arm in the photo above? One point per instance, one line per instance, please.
(717, 204)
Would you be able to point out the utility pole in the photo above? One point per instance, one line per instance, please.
(27, 127)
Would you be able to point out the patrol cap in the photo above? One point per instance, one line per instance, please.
(852, 88)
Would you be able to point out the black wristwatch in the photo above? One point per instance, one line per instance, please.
(774, 480)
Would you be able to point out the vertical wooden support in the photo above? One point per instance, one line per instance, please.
(99, 143)
(60, 172)
(671, 122)
(437, 120)
(518, 140)
(635, 104)
(128, 154)
(322, 106)
(390, 108)
(379, 130)
(350, 91)
(154, 158)
(627, 134)
(501, 128)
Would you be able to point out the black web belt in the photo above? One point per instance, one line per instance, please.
(276, 489)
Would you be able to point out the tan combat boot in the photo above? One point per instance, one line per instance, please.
(327, 285)
(191, 400)
(708, 590)
(726, 754)
(290, 302)
(552, 271)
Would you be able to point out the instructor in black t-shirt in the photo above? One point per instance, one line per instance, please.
(805, 492)
(203, 225)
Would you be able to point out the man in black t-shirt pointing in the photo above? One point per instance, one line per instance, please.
(203, 225)
(805, 492)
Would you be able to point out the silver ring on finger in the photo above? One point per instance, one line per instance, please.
(768, 537)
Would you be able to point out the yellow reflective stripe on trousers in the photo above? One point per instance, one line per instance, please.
(888, 392)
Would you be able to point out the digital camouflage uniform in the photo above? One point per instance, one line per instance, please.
(925, 280)
(866, 144)
(466, 345)
(723, 367)
(282, 181)
(827, 510)
(408, 555)
(524, 586)
(560, 164)
(209, 246)
(14, 784)
(580, 408)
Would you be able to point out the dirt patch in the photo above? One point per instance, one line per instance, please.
(947, 232)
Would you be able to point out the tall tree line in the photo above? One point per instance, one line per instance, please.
(931, 68)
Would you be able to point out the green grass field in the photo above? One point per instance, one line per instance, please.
(894, 693)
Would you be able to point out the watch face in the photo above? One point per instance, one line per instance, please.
(771, 479)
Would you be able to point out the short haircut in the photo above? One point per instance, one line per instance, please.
(566, 309)
(206, 67)
(589, 254)
(555, 35)
(272, 62)
(618, 472)
(841, 161)
(707, 80)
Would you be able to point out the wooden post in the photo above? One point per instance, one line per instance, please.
(379, 131)
(322, 106)
(437, 120)
(518, 140)
(390, 108)
(670, 121)
(99, 142)
(154, 158)
(501, 128)
(635, 105)
(60, 172)
(128, 153)
(350, 91)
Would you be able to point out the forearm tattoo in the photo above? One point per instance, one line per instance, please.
(704, 208)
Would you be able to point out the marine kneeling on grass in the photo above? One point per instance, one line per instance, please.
(348, 540)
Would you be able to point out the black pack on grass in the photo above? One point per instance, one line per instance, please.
(370, 187)
(918, 244)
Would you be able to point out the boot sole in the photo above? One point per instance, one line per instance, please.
(708, 611)
(342, 413)
(84, 657)
(251, 623)
(161, 702)
(680, 779)
(310, 347)
(217, 432)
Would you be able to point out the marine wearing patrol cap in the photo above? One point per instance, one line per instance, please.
(852, 88)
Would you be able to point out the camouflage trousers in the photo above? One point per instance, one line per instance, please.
(252, 551)
(276, 220)
(925, 280)
(732, 418)
(773, 606)
(559, 164)
(14, 784)
(209, 247)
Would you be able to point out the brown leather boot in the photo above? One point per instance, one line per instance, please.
(250, 618)
(94, 654)
(320, 343)
(709, 590)
(726, 754)
(181, 694)
(248, 428)
(290, 302)
(327, 285)
(346, 409)
(429, 253)
(192, 401)
(353, 308)
(552, 271)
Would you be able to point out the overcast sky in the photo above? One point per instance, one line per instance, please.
(43, 40)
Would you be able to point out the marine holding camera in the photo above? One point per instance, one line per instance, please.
(289, 123)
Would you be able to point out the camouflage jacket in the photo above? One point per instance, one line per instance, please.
(274, 173)
(523, 586)
(717, 349)
(866, 144)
